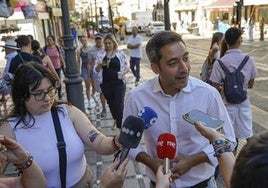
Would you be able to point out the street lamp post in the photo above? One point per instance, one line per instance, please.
(73, 81)
(166, 14)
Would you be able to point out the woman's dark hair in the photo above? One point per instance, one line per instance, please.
(23, 40)
(216, 38)
(51, 36)
(251, 166)
(27, 77)
(35, 48)
(159, 40)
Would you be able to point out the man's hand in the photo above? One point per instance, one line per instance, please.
(183, 165)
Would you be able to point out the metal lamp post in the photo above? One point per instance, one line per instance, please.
(73, 81)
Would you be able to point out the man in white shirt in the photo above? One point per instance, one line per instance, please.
(135, 53)
(171, 94)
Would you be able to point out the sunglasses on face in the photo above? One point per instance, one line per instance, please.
(39, 96)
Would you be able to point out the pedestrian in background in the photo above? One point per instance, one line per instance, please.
(85, 67)
(31, 124)
(240, 114)
(24, 55)
(213, 54)
(45, 58)
(172, 93)
(96, 78)
(10, 49)
(135, 53)
(53, 51)
(111, 63)
(250, 28)
(262, 23)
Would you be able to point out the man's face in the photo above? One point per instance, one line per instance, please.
(134, 31)
(174, 68)
(98, 42)
(7, 50)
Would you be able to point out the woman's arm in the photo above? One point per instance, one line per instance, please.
(90, 135)
(226, 160)
(47, 61)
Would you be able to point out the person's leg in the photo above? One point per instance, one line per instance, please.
(102, 98)
(137, 69)
(108, 91)
(119, 96)
(87, 85)
(132, 65)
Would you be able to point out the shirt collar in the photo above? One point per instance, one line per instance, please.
(236, 50)
(157, 87)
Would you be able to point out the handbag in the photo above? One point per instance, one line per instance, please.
(29, 11)
(41, 6)
(6, 10)
(14, 3)
(61, 147)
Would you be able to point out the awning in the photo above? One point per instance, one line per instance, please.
(255, 2)
(221, 5)
(183, 7)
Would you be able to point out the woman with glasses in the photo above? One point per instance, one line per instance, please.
(112, 65)
(31, 124)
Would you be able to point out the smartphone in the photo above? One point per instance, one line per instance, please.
(204, 118)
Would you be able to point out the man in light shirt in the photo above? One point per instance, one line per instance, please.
(171, 94)
(135, 53)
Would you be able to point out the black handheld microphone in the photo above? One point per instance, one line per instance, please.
(130, 135)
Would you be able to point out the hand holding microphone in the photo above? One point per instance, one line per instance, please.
(130, 135)
(166, 149)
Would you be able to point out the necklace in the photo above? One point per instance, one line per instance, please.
(109, 58)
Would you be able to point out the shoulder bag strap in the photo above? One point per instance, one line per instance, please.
(243, 63)
(223, 66)
(23, 61)
(61, 147)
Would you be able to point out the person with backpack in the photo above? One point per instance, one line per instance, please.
(234, 83)
(53, 51)
(24, 55)
(45, 58)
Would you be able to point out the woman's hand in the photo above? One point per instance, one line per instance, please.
(112, 177)
(11, 151)
(210, 133)
(163, 180)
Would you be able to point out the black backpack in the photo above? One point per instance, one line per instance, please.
(233, 83)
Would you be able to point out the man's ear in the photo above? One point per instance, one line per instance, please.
(155, 68)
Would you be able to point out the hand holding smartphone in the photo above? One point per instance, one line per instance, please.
(204, 118)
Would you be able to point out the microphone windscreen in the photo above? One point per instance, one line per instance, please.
(131, 132)
(166, 146)
(148, 115)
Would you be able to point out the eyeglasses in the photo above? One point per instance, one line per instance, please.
(51, 92)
